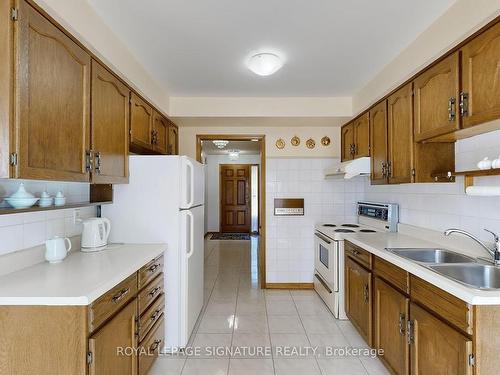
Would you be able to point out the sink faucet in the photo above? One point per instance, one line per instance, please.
(493, 252)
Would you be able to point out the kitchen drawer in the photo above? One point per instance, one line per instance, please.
(361, 256)
(151, 316)
(394, 275)
(150, 271)
(448, 307)
(111, 302)
(150, 293)
(150, 347)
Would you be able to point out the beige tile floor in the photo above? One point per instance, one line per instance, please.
(238, 314)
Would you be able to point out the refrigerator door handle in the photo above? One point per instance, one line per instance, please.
(190, 249)
(190, 184)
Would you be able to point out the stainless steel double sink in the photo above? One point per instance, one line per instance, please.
(459, 267)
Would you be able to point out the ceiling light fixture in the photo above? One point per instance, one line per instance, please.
(234, 154)
(264, 64)
(220, 143)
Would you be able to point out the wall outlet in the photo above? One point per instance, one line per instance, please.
(77, 218)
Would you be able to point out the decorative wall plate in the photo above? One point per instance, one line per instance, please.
(280, 143)
(325, 141)
(295, 141)
(310, 143)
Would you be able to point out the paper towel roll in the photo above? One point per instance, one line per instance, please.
(484, 191)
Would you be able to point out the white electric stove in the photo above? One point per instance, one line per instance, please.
(329, 249)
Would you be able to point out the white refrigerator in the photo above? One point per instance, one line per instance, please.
(164, 202)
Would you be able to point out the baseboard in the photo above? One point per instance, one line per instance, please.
(289, 285)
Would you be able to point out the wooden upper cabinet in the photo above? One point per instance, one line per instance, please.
(53, 101)
(160, 133)
(436, 100)
(361, 126)
(481, 78)
(436, 348)
(390, 310)
(118, 332)
(378, 142)
(400, 135)
(173, 139)
(347, 141)
(141, 123)
(110, 122)
(358, 298)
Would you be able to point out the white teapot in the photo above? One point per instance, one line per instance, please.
(56, 250)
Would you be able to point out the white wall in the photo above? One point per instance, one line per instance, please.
(212, 186)
(290, 240)
(187, 139)
(25, 230)
(440, 206)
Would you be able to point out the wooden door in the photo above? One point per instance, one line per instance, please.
(235, 198)
(481, 78)
(390, 311)
(358, 298)
(109, 124)
(173, 140)
(378, 142)
(160, 133)
(436, 348)
(361, 128)
(400, 135)
(347, 141)
(141, 123)
(52, 100)
(105, 345)
(436, 99)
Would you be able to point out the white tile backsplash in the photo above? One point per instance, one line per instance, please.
(25, 230)
(290, 240)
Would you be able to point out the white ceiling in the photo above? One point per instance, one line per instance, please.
(245, 147)
(331, 47)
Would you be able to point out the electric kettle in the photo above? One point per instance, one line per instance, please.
(95, 234)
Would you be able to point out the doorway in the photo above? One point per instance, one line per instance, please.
(235, 198)
(255, 192)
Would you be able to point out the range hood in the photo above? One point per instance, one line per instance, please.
(350, 169)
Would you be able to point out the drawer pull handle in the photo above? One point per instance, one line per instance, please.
(154, 291)
(122, 293)
(153, 267)
(155, 345)
(155, 315)
(356, 252)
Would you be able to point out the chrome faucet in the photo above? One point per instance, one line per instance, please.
(493, 252)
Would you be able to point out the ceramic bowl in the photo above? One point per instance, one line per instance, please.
(46, 202)
(21, 202)
(59, 201)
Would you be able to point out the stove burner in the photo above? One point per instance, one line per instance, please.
(350, 225)
(344, 230)
(367, 230)
(329, 225)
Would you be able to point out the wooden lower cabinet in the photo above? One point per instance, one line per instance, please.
(436, 348)
(358, 298)
(390, 311)
(114, 346)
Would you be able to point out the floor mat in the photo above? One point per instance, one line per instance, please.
(230, 236)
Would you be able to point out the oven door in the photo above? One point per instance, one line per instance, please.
(326, 259)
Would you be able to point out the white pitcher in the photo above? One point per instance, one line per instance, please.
(56, 250)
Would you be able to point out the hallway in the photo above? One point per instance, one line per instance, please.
(244, 322)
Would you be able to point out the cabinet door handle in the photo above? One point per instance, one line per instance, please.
(153, 292)
(155, 345)
(464, 104)
(402, 324)
(88, 161)
(451, 108)
(366, 293)
(118, 296)
(98, 161)
(409, 332)
(384, 169)
(153, 268)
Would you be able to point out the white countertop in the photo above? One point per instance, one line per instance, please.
(377, 242)
(78, 280)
